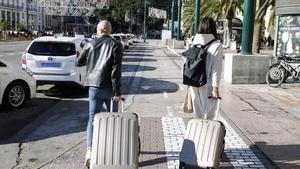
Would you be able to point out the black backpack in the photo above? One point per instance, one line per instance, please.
(194, 69)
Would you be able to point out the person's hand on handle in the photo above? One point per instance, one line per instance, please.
(215, 93)
(117, 98)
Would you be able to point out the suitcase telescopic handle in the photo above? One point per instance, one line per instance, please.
(112, 104)
(218, 106)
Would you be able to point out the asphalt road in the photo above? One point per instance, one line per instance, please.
(11, 121)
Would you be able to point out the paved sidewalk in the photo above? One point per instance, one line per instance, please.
(257, 118)
(269, 118)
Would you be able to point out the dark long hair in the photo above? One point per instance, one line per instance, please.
(208, 26)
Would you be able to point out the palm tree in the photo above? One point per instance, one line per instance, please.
(262, 7)
(188, 14)
(118, 9)
(216, 9)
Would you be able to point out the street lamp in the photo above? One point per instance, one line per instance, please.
(27, 15)
(197, 15)
(145, 18)
(172, 22)
(179, 20)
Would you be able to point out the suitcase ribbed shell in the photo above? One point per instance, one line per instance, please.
(203, 143)
(115, 141)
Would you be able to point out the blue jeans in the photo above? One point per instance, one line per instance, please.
(98, 96)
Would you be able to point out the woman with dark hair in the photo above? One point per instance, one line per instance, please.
(204, 107)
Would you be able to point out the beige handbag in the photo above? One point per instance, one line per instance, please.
(188, 105)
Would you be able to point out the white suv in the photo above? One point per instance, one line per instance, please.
(52, 60)
(16, 85)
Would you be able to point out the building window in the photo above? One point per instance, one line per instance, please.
(2, 15)
(39, 17)
(23, 15)
(18, 17)
(8, 19)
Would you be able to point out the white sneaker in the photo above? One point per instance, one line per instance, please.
(88, 157)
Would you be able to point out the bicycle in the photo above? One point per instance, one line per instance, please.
(285, 68)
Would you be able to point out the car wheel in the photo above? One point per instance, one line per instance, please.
(15, 95)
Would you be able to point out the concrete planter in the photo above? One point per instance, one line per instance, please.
(246, 69)
(178, 44)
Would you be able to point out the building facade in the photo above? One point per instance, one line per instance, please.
(22, 13)
(11, 12)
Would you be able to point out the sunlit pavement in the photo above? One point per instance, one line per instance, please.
(261, 122)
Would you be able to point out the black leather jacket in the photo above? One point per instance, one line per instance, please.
(103, 58)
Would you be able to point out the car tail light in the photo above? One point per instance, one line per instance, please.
(24, 58)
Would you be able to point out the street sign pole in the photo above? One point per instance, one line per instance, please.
(172, 23)
(145, 18)
(248, 24)
(179, 20)
(197, 16)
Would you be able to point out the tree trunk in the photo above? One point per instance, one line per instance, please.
(257, 32)
(256, 38)
(229, 34)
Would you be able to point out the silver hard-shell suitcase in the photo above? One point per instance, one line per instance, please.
(115, 141)
(203, 143)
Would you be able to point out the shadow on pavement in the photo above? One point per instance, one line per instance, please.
(138, 60)
(67, 117)
(138, 50)
(141, 85)
(11, 121)
(134, 68)
(162, 158)
(65, 91)
(290, 159)
(137, 55)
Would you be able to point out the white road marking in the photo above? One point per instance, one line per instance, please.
(165, 94)
(170, 112)
(146, 87)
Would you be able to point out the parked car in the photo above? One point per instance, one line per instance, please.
(125, 40)
(16, 85)
(129, 38)
(122, 39)
(94, 36)
(119, 39)
(52, 60)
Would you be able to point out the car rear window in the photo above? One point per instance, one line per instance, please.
(52, 49)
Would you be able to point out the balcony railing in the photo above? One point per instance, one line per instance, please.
(13, 6)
